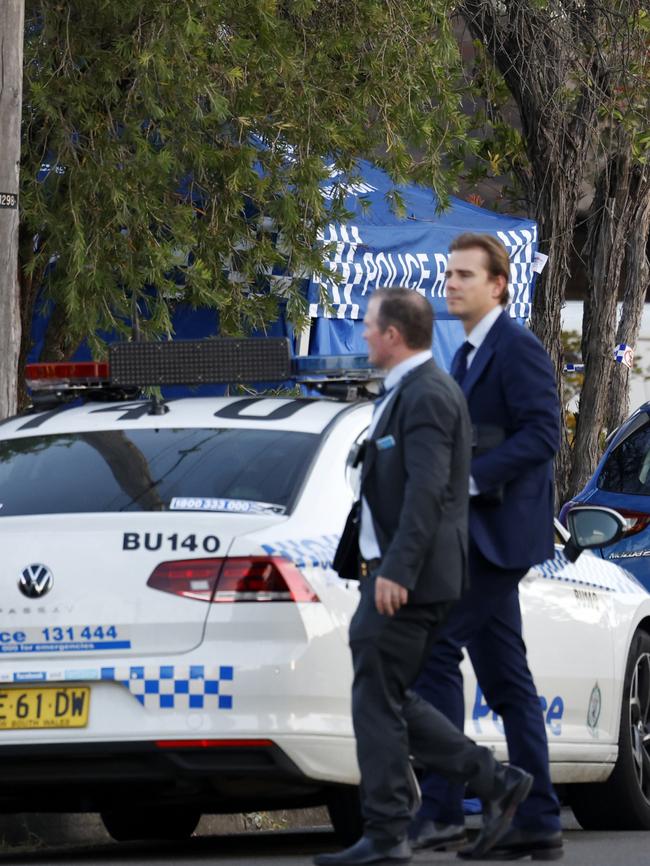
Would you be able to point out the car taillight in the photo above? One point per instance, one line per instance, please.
(261, 578)
(237, 578)
(636, 521)
(191, 578)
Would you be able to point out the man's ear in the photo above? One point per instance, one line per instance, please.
(394, 334)
(499, 285)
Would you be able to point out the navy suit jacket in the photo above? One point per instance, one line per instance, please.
(511, 384)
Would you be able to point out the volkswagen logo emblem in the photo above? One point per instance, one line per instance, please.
(35, 581)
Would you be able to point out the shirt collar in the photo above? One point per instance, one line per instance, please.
(400, 370)
(480, 331)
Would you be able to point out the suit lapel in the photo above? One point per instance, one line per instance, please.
(387, 415)
(378, 432)
(483, 354)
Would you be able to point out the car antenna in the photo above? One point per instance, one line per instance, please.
(157, 406)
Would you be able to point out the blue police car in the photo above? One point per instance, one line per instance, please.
(622, 481)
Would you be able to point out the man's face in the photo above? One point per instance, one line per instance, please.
(471, 290)
(379, 342)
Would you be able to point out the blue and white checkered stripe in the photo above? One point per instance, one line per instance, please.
(361, 270)
(337, 186)
(175, 687)
(521, 248)
(600, 574)
(306, 552)
(341, 260)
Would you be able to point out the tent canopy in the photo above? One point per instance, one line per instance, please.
(379, 248)
(375, 248)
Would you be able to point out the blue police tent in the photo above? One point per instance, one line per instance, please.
(376, 247)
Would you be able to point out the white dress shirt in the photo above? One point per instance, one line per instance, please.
(480, 331)
(368, 545)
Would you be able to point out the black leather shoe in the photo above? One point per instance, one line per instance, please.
(424, 833)
(368, 850)
(511, 787)
(536, 844)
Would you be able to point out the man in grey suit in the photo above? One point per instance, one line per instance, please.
(413, 566)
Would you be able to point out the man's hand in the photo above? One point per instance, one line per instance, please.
(389, 596)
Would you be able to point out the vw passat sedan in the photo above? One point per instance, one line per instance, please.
(173, 640)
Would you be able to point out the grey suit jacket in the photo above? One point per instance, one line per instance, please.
(415, 478)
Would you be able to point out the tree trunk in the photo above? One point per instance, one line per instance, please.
(535, 62)
(12, 15)
(556, 214)
(636, 286)
(60, 342)
(612, 224)
(29, 283)
(558, 152)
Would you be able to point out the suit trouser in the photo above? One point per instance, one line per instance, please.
(487, 621)
(391, 722)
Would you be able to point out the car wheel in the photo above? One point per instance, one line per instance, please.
(163, 823)
(344, 807)
(623, 801)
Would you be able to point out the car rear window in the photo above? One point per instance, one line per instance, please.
(627, 469)
(152, 470)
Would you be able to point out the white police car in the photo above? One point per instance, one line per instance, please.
(173, 640)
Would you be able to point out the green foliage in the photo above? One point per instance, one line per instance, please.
(146, 113)
(573, 57)
(500, 151)
(636, 104)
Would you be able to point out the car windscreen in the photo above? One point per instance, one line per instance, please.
(627, 468)
(153, 470)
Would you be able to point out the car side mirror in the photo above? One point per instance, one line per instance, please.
(591, 526)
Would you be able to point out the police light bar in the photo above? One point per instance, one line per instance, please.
(200, 362)
(66, 375)
(134, 366)
(352, 367)
(344, 377)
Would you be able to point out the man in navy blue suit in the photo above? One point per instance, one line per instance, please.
(509, 383)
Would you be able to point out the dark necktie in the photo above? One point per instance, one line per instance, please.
(459, 364)
(383, 394)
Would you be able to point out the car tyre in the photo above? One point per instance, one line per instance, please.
(163, 823)
(344, 807)
(623, 801)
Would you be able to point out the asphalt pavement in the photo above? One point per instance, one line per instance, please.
(296, 848)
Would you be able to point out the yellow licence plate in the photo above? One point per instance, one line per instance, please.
(47, 707)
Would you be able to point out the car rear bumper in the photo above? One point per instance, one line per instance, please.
(230, 776)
